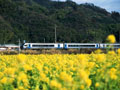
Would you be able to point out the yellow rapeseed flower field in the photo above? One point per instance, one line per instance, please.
(60, 72)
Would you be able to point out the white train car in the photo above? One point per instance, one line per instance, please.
(116, 45)
(81, 45)
(42, 45)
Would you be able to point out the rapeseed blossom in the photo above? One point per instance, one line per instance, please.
(88, 82)
(3, 80)
(97, 84)
(55, 84)
(65, 77)
(112, 73)
(118, 51)
(111, 52)
(82, 87)
(98, 51)
(111, 38)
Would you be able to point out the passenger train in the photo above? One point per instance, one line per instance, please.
(68, 45)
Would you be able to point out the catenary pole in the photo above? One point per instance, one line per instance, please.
(55, 34)
(19, 46)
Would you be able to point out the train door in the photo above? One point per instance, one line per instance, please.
(58, 45)
(65, 46)
(29, 46)
(97, 45)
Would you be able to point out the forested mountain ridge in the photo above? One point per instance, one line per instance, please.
(35, 20)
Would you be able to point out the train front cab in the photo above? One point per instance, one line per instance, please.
(27, 46)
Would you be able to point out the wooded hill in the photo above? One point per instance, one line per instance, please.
(35, 20)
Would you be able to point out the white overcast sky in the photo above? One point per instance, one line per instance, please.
(109, 5)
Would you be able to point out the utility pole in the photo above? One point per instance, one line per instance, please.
(4, 43)
(44, 40)
(55, 34)
(19, 46)
(119, 37)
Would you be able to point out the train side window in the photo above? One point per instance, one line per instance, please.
(43, 45)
